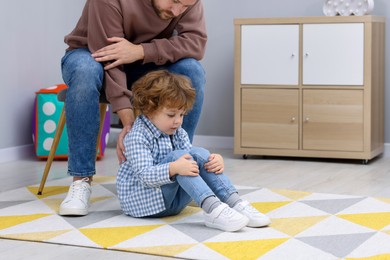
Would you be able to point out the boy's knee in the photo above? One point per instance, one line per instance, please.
(201, 153)
(178, 153)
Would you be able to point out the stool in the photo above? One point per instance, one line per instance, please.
(61, 123)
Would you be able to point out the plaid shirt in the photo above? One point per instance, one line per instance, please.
(142, 174)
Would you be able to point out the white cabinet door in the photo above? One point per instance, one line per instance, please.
(270, 54)
(333, 54)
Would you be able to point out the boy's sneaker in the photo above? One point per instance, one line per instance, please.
(225, 218)
(76, 202)
(256, 219)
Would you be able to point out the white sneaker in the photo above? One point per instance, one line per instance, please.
(256, 219)
(77, 201)
(225, 218)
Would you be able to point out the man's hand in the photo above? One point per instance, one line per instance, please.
(119, 52)
(127, 118)
(120, 148)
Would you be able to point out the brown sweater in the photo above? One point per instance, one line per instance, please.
(137, 21)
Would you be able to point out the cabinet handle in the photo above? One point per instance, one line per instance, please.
(293, 55)
(307, 120)
(292, 119)
(306, 54)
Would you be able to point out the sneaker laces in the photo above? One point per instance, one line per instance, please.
(246, 206)
(228, 212)
(251, 209)
(79, 189)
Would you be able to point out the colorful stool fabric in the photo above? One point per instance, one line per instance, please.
(47, 111)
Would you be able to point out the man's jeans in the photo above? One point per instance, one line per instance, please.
(84, 77)
(179, 194)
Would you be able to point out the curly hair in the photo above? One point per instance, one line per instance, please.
(161, 88)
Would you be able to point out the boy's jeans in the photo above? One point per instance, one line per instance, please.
(177, 195)
(84, 77)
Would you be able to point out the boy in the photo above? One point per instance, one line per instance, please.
(163, 173)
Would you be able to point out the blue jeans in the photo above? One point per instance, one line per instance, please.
(84, 77)
(179, 194)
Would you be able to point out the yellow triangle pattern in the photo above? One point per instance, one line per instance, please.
(37, 236)
(10, 221)
(96, 199)
(108, 237)
(54, 204)
(265, 207)
(104, 179)
(375, 221)
(48, 191)
(172, 250)
(294, 195)
(387, 200)
(375, 257)
(188, 211)
(294, 226)
(253, 248)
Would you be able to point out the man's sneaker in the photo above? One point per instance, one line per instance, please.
(77, 201)
(256, 219)
(225, 218)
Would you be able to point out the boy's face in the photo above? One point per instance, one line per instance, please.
(168, 9)
(167, 120)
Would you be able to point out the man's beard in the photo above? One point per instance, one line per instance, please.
(165, 15)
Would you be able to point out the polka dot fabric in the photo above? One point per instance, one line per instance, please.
(47, 112)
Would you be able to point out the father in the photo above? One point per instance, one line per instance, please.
(114, 43)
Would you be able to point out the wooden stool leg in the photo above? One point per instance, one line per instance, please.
(53, 150)
(103, 108)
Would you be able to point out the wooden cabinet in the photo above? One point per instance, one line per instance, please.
(309, 86)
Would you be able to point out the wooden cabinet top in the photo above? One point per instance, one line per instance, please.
(311, 19)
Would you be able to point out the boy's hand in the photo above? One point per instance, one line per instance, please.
(215, 163)
(184, 166)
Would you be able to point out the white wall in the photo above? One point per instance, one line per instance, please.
(32, 45)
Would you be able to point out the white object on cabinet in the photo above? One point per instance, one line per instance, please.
(347, 7)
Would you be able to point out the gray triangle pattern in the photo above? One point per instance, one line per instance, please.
(110, 187)
(338, 245)
(197, 231)
(91, 218)
(332, 206)
(6, 204)
(242, 192)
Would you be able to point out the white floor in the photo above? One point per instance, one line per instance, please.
(316, 175)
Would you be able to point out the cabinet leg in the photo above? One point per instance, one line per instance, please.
(365, 161)
(245, 156)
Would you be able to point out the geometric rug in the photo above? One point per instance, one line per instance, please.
(305, 225)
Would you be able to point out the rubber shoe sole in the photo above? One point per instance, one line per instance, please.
(73, 212)
(231, 228)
